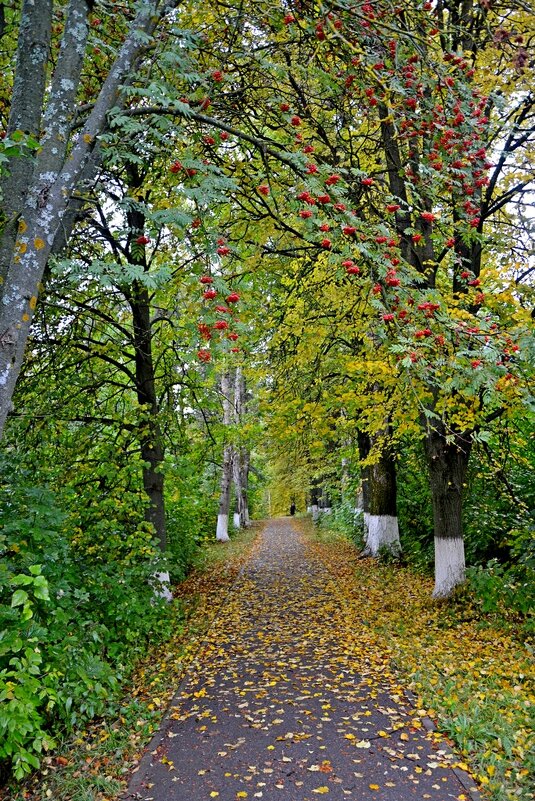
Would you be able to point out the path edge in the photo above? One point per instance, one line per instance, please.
(130, 792)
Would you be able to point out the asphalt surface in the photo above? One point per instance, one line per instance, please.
(285, 703)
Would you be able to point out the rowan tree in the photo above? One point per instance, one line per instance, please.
(411, 230)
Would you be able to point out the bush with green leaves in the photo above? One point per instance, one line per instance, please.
(71, 624)
(344, 519)
(509, 588)
(191, 511)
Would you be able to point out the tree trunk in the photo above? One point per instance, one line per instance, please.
(447, 463)
(152, 451)
(363, 442)
(379, 493)
(383, 530)
(239, 396)
(151, 440)
(314, 503)
(226, 473)
(237, 475)
(44, 199)
(244, 462)
(25, 115)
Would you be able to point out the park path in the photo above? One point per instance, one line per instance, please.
(284, 703)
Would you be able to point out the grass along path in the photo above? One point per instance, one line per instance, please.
(471, 674)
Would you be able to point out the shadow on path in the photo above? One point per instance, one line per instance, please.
(282, 703)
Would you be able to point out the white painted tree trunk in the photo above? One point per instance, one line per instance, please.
(449, 565)
(381, 530)
(222, 528)
(383, 533)
(448, 463)
(238, 516)
(162, 589)
(315, 511)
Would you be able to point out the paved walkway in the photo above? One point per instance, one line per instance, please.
(282, 703)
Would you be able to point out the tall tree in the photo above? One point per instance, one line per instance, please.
(36, 194)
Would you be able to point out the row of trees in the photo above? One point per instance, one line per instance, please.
(308, 224)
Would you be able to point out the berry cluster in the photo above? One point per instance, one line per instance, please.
(220, 313)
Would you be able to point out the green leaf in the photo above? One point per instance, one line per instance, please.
(20, 597)
(40, 588)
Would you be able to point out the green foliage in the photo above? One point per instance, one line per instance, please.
(506, 589)
(191, 515)
(344, 520)
(21, 722)
(414, 508)
(500, 495)
(19, 145)
(72, 622)
(509, 588)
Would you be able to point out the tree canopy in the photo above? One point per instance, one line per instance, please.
(253, 256)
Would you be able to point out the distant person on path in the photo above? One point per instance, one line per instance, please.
(292, 509)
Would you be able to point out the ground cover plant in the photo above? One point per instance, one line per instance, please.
(471, 670)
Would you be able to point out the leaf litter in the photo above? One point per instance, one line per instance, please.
(292, 685)
(337, 640)
(470, 674)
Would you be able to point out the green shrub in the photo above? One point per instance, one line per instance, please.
(344, 520)
(415, 511)
(71, 625)
(509, 589)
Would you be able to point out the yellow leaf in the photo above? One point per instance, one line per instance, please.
(241, 794)
(321, 790)
(373, 786)
(214, 794)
